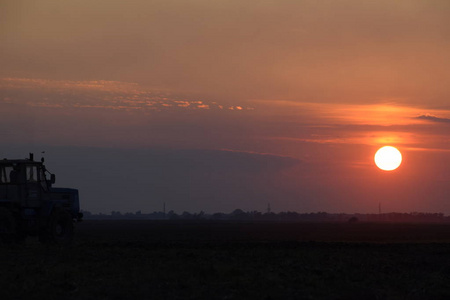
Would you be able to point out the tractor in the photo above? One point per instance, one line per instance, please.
(31, 206)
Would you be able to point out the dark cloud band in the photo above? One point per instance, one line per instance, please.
(433, 118)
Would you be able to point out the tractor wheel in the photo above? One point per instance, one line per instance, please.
(7, 226)
(59, 228)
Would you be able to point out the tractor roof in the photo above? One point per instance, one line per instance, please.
(18, 161)
(29, 160)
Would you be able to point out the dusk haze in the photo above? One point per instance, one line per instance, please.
(218, 105)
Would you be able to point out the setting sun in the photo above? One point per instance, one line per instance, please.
(388, 158)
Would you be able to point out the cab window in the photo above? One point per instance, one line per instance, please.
(32, 174)
(5, 172)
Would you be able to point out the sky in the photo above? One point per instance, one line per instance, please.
(218, 105)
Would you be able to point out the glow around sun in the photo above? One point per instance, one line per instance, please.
(388, 158)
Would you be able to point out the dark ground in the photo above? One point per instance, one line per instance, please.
(223, 260)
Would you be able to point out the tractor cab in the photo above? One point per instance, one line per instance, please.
(30, 203)
(25, 180)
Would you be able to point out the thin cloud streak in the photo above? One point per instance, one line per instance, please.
(433, 118)
(101, 94)
(383, 114)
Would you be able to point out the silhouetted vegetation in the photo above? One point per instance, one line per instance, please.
(289, 216)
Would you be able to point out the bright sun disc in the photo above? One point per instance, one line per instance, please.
(388, 158)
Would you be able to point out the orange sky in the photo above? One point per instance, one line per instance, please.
(325, 83)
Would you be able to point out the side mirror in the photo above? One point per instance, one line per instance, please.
(52, 178)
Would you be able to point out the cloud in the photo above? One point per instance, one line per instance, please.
(111, 113)
(100, 94)
(432, 118)
(187, 179)
(346, 123)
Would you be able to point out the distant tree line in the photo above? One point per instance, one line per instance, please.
(289, 216)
